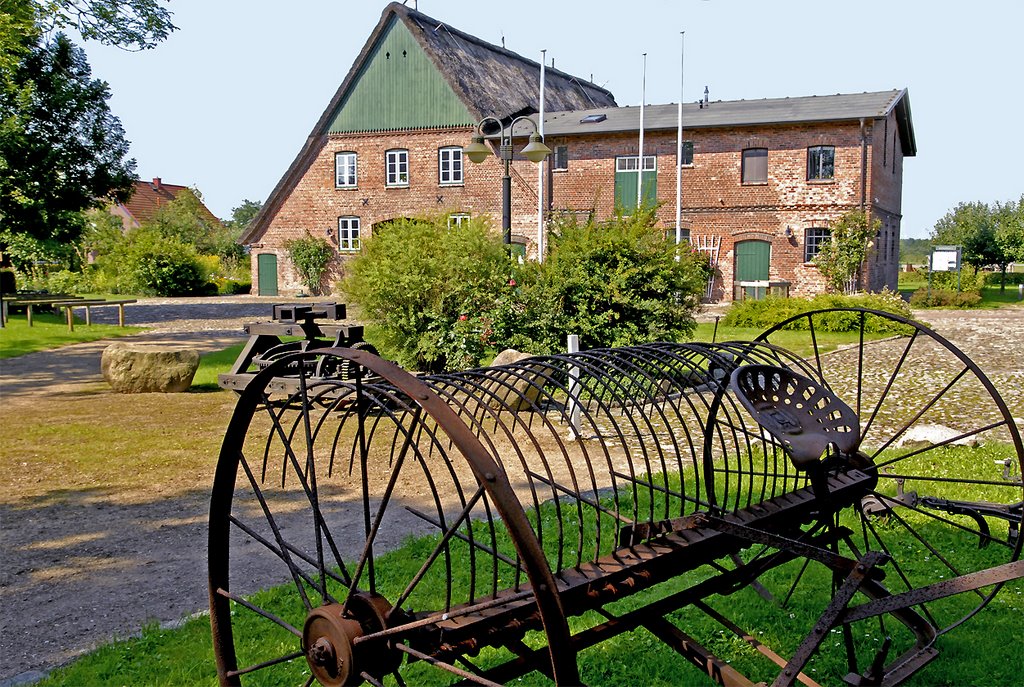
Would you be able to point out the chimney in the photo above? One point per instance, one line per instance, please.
(156, 183)
(705, 96)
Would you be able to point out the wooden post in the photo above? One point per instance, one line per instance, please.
(28, 313)
(573, 346)
(71, 317)
(120, 314)
(88, 315)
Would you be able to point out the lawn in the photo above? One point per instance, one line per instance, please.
(983, 652)
(51, 331)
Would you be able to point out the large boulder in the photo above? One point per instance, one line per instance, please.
(517, 391)
(138, 368)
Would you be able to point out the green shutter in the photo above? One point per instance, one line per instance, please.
(398, 87)
(625, 190)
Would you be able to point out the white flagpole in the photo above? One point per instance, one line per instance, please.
(540, 168)
(679, 146)
(640, 158)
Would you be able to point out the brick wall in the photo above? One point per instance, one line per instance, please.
(715, 201)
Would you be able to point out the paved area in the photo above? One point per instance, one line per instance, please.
(991, 337)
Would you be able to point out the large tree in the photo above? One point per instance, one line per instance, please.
(61, 149)
(988, 235)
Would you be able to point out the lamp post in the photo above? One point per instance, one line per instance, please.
(535, 151)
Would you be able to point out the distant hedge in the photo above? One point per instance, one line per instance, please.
(768, 312)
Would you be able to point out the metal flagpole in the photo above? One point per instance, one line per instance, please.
(540, 168)
(679, 147)
(640, 158)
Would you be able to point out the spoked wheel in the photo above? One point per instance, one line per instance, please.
(311, 487)
(943, 446)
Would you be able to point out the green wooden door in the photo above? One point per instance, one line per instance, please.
(753, 261)
(266, 274)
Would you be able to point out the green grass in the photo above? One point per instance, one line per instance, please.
(213, 364)
(985, 651)
(50, 331)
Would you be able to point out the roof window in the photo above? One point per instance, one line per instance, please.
(593, 118)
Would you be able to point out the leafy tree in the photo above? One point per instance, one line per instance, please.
(840, 258)
(146, 261)
(243, 215)
(969, 225)
(61, 150)
(1008, 220)
(128, 24)
(312, 257)
(185, 219)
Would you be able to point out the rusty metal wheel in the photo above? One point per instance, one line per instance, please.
(946, 455)
(317, 480)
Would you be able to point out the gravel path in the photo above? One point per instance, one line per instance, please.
(27, 648)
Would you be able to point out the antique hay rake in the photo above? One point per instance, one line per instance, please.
(552, 505)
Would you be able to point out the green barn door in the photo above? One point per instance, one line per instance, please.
(266, 273)
(753, 260)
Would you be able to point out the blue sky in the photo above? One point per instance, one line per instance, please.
(227, 101)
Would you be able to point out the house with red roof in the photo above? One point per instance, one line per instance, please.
(147, 198)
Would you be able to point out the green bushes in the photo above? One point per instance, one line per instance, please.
(446, 298)
(762, 314)
(312, 257)
(945, 298)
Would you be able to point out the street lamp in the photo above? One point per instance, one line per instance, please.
(535, 151)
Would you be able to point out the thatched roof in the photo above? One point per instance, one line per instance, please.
(490, 81)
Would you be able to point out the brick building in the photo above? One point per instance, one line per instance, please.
(761, 180)
(146, 200)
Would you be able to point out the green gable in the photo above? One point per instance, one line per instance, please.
(398, 87)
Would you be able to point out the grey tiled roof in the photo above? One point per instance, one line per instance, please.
(820, 108)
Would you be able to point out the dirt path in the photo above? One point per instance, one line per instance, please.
(84, 564)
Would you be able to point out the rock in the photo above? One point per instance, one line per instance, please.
(921, 436)
(137, 369)
(525, 388)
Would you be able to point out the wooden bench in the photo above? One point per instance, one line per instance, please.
(70, 305)
(30, 301)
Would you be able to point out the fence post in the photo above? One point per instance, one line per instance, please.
(573, 346)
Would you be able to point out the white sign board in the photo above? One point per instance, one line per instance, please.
(946, 259)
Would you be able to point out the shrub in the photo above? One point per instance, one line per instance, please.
(430, 288)
(995, 278)
(312, 257)
(613, 283)
(766, 313)
(148, 263)
(945, 298)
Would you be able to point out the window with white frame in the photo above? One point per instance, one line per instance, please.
(457, 219)
(821, 163)
(449, 166)
(348, 234)
(628, 164)
(345, 170)
(396, 167)
(814, 239)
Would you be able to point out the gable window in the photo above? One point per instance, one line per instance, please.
(754, 166)
(686, 154)
(348, 234)
(814, 239)
(396, 167)
(345, 170)
(821, 163)
(561, 158)
(449, 166)
(457, 219)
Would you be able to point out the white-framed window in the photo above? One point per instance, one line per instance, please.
(345, 169)
(814, 239)
(628, 164)
(348, 234)
(821, 163)
(457, 219)
(449, 166)
(396, 167)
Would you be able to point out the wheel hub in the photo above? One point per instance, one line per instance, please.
(328, 640)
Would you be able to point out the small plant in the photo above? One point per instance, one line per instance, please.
(945, 298)
(312, 258)
(762, 314)
(841, 258)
